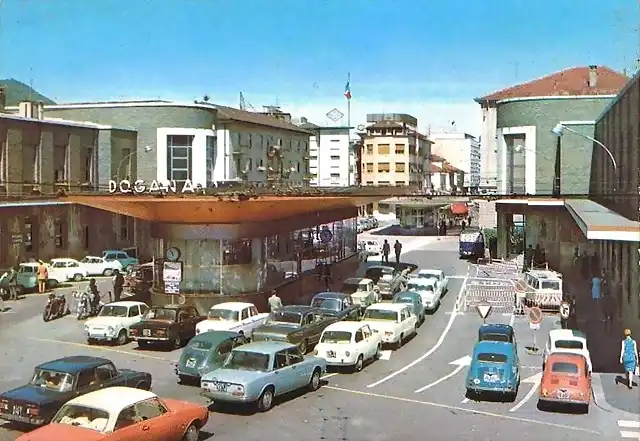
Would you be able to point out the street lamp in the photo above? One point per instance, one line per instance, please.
(147, 149)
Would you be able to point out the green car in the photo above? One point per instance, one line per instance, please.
(206, 352)
(415, 300)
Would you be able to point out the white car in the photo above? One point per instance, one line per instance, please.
(393, 321)
(349, 344)
(71, 268)
(239, 317)
(567, 341)
(113, 322)
(28, 273)
(372, 247)
(97, 266)
(436, 274)
(429, 291)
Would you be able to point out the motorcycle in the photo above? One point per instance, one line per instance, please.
(87, 305)
(56, 307)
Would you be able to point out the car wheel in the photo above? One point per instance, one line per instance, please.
(314, 383)
(78, 277)
(108, 272)
(265, 402)
(51, 283)
(192, 433)
(177, 342)
(183, 379)
(359, 364)
(400, 342)
(122, 337)
(304, 346)
(91, 341)
(378, 353)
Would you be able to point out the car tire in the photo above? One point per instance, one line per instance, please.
(108, 272)
(378, 354)
(122, 337)
(265, 402)
(315, 381)
(78, 277)
(192, 433)
(91, 341)
(176, 343)
(51, 283)
(304, 346)
(359, 364)
(400, 342)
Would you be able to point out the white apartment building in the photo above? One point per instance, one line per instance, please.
(462, 151)
(331, 159)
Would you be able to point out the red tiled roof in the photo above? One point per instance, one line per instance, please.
(437, 158)
(435, 169)
(569, 82)
(450, 168)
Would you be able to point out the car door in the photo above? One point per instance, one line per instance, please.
(128, 427)
(134, 315)
(107, 375)
(194, 319)
(124, 259)
(360, 344)
(109, 257)
(300, 371)
(370, 345)
(283, 375)
(315, 324)
(87, 381)
(245, 320)
(26, 276)
(158, 421)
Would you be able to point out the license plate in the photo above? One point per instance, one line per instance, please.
(191, 362)
(17, 410)
(220, 387)
(563, 394)
(146, 332)
(331, 354)
(489, 378)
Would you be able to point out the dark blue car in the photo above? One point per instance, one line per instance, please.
(495, 369)
(471, 244)
(56, 382)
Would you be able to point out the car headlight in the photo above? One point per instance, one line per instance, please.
(110, 329)
(237, 390)
(347, 354)
(205, 385)
(476, 381)
(86, 328)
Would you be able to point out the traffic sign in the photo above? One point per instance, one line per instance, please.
(565, 310)
(326, 236)
(535, 315)
(521, 286)
(483, 309)
(534, 326)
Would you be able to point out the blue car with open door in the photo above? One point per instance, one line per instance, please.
(494, 370)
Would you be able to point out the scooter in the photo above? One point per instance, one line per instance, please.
(56, 307)
(88, 306)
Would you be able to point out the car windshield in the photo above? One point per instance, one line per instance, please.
(350, 288)
(87, 260)
(247, 361)
(427, 276)
(380, 314)
(550, 284)
(83, 416)
(569, 344)
(494, 337)
(492, 358)
(228, 315)
(285, 317)
(336, 337)
(58, 264)
(202, 345)
(329, 304)
(52, 380)
(113, 311)
(562, 367)
(403, 299)
(160, 314)
(419, 287)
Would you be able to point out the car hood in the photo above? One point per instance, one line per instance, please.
(153, 323)
(104, 321)
(278, 328)
(217, 325)
(32, 394)
(233, 376)
(62, 431)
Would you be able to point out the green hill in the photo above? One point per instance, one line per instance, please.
(17, 92)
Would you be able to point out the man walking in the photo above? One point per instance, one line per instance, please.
(595, 294)
(118, 285)
(386, 249)
(397, 247)
(274, 301)
(43, 275)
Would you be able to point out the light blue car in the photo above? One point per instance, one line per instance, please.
(258, 372)
(126, 257)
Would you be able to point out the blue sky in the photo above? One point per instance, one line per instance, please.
(429, 58)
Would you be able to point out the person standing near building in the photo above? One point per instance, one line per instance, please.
(595, 294)
(43, 275)
(274, 301)
(386, 249)
(397, 247)
(118, 285)
(629, 357)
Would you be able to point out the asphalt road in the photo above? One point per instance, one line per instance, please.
(410, 391)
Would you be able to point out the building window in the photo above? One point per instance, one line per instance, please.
(383, 149)
(124, 168)
(60, 163)
(60, 233)
(400, 149)
(124, 227)
(335, 158)
(383, 183)
(3, 160)
(236, 252)
(85, 237)
(369, 167)
(400, 183)
(369, 182)
(314, 157)
(31, 163)
(211, 158)
(369, 149)
(516, 165)
(28, 235)
(335, 175)
(179, 157)
(383, 167)
(88, 165)
(400, 167)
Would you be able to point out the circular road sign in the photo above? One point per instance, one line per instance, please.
(326, 236)
(521, 286)
(534, 315)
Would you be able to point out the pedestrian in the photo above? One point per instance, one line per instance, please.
(118, 285)
(386, 249)
(595, 294)
(274, 301)
(326, 275)
(609, 306)
(12, 279)
(43, 275)
(397, 247)
(629, 357)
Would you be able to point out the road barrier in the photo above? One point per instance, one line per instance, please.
(499, 293)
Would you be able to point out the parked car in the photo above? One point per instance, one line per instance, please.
(239, 317)
(428, 290)
(372, 247)
(27, 276)
(336, 304)
(300, 325)
(171, 325)
(114, 321)
(497, 332)
(495, 369)
(55, 382)
(349, 344)
(394, 321)
(258, 372)
(122, 256)
(438, 276)
(388, 280)
(566, 379)
(413, 299)
(72, 269)
(98, 266)
(139, 279)
(206, 352)
(123, 414)
(568, 341)
(362, 291)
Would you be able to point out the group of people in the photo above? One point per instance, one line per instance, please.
(386, 250)
(534, 257)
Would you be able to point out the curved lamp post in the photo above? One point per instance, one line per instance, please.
(559, 129)
(147, 149)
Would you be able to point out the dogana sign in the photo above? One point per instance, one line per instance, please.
(139, 187)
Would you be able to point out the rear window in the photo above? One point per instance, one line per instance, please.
(495, 337)
(492, 358)
(569, 344)
(562, 367)
(549, 284)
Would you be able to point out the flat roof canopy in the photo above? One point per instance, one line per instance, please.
(217, 209)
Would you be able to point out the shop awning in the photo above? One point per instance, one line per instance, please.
(459, 208)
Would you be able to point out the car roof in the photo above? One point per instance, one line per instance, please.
(493, 347)
(388, 306)
(215, 337)
(566, 334)
(331, 295)
(566, 356)
(113, 399)
(235, 306)
(265, 347)
(354, 280)
(62, 259)
(93, 257)
(429, 271)
(73, 364)
(113, 251)
(419, 281)
(127, 303)
(406, 294)
(496, 328)
(350, 326)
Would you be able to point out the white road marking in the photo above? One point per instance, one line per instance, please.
(512, 320)
(629, 434)
(324, 377)
(140, 354)
(534, 380)
(455, 372)
(385, 355)
(629, 424)
(432, 350)
(457, 277)
(465, 401)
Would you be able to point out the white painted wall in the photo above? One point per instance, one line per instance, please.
(488, 149)
(198, 152)
(462, 151)
(331, 158)
(529, 133)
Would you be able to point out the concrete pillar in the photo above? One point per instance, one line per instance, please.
(46, 162)
(74, 161)
(104, 159)
(503, 233)
(46, 247)
(75, 229)
(14, 161)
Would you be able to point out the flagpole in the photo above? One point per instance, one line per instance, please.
(349, 104)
